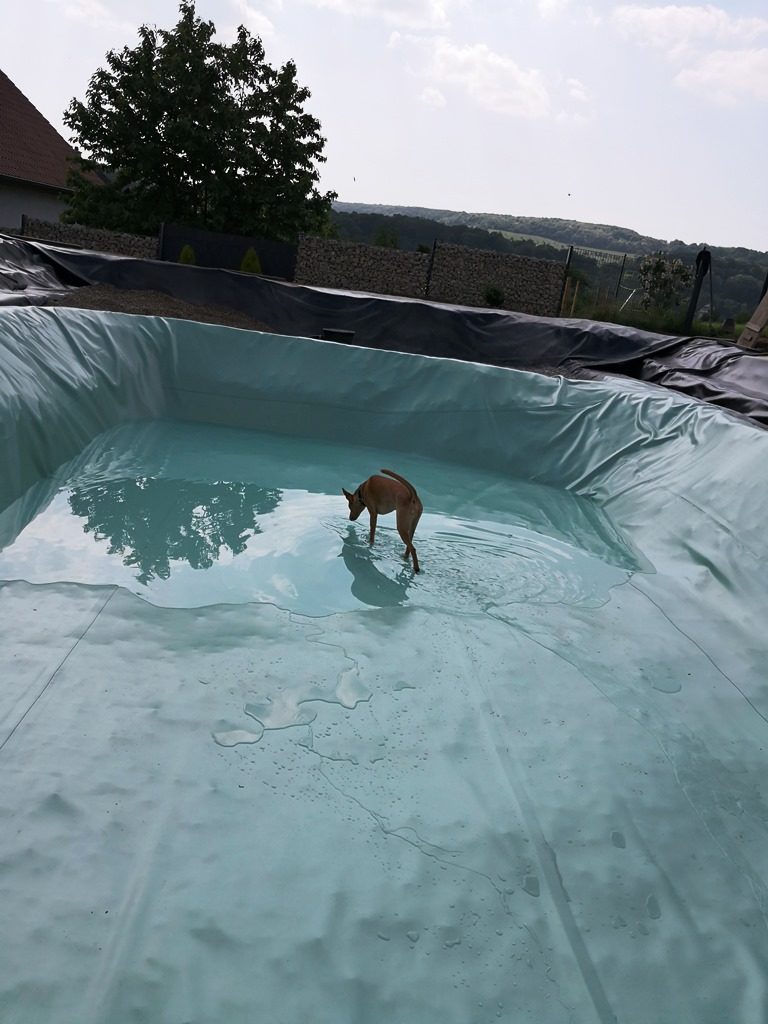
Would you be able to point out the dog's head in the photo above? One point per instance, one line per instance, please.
(355, 502)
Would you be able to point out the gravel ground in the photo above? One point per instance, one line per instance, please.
(118, 300)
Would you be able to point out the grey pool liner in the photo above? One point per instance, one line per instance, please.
(466, 803)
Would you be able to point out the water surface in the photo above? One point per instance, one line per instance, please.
(187, 516)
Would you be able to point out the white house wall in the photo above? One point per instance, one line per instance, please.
(17, 199)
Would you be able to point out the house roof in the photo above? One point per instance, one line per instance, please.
(31, 149)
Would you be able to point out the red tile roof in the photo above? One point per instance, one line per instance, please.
(30, 147)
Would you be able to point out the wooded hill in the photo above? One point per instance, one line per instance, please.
(737, 273)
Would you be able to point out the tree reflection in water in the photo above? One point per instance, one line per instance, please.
(152, 522)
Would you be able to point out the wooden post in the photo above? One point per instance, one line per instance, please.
(575, 296)
(564, 296)
(750, 336)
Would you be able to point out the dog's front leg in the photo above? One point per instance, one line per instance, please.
(373, 525)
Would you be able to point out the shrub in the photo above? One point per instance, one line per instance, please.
(662, 280)
(493, 296)
(251, 264)
(386, 238)
(187, 255)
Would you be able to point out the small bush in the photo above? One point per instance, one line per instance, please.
(187, 255)
(662, 280)
(251, 264)
(387, 238)
(494, 297)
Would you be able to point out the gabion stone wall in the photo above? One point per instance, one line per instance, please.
(458, 274)
(140, 246)
(328, 263)
(453, 273)
(470, 277)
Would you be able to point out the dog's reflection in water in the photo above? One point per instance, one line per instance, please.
(369, 585)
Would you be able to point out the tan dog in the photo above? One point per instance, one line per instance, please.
(381, 496)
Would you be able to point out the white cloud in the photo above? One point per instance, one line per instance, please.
(90, 10)
(94, 13)
(676, 28)
(576, 90)
(579, 120)
(433, 97)
(413, 14)
(728, 76)
(701, 37)
(552, 8)
(492, 80)
(593, 17)
(254, 20)
(578, 111)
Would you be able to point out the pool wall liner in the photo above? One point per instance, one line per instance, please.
(705, 368)
(378, 321)
(684, 482)
(67, 375)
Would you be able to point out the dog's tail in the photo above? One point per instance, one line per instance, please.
(396, 476)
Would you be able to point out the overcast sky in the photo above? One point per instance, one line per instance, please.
(648, 116)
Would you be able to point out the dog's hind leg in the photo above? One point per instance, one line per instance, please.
(406, 536)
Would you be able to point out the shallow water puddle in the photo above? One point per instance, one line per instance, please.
(185, 516)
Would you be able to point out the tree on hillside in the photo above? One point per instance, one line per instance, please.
(662, 279)
(744, 291)
(386, 238)
(185, 129)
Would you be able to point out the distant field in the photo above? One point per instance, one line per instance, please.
(543, 240)
(538, 239)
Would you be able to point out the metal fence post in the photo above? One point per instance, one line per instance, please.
(565, 278)
(430, 265)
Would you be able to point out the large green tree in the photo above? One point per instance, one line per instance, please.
(182, 128)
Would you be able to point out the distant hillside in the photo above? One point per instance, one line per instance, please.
(737, 273)
(401, 231)
(551, 229)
